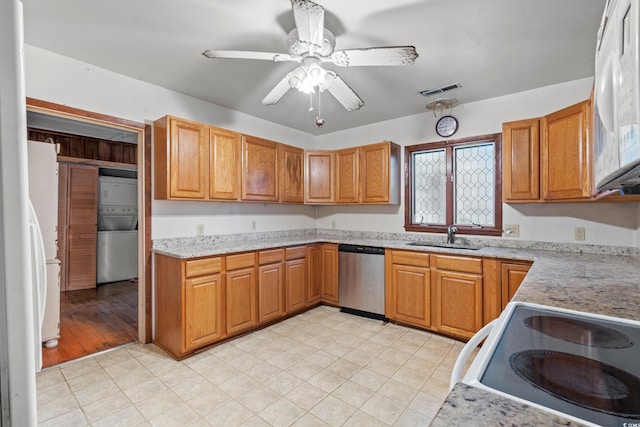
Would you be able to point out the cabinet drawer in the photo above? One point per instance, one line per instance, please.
(418, 259)
(270, 256)
(295, 252)
(456, 263)
(200, 267)
(235, 262)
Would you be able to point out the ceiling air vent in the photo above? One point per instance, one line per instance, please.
(440, 89)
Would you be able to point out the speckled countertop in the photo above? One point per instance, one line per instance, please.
(589, 278)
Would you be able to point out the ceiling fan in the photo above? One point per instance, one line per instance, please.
(311, 45)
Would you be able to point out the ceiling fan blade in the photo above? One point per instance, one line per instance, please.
(343, 93)
(277, 92)
(373, 56)
(309, 19)
(242, 54)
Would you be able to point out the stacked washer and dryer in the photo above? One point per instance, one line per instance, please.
(117, 250)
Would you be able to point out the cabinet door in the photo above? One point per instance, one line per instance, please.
(203, 311)
(189, 159)
(374, 173)
(512, 277)
(457, 302)
(314, 271)
(566, 166)
(259, 169)
(224, 164)
(410, 295)
(347, 175)
(292, 176)
(329, 273)
(241, 300)
(319, 177)
(295, 283)
(82, 227)
(270, 292)
(521, 160)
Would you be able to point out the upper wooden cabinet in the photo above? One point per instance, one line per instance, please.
(548, 159)
(319, 177)
(291, 174)
(259, 169)
(347, 175)
(182, 159)
(380, 173)
(521, 160)
(224, 164)
(565, 159)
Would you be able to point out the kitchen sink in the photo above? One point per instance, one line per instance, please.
(435, 245)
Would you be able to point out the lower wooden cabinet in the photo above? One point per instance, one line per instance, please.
(189, 304)
(270, 285)
(329, 272)
(314, 278)
(241, 295)
(512, 276)
(408, 287)
(295, 279)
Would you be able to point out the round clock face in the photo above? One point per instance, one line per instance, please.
(446, 126)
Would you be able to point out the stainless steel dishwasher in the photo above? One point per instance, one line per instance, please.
(361, 280)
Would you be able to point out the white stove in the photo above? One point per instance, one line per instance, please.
(581, 366)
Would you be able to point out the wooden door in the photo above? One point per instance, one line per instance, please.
(270, 292)
(82, 227)
(292, 174)
(295, 282)
(203, 311)
(410, 294)
(314, 271)
(224, 164)
(457, 302)
(347, 175)
(521, 160)
(566, 167)
(329, 272)
(374, 173)
(189, 159)
(512, 276)
(241, 300)
(259, 169)
(319, 177)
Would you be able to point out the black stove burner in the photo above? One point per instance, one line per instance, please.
(578, 332)
(580, 380)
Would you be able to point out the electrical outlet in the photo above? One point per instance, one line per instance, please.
(199, 229)
(580, 233)
(512, 230)
(333, 225)
(253, 225)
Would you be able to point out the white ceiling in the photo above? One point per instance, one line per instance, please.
(491, 47)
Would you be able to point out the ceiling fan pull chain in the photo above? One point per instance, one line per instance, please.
(319, 119)
(311, 101)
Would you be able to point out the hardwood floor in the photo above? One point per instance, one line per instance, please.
(94, 320)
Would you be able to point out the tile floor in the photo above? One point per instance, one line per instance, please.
(320, 368)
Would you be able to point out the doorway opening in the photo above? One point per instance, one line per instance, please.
(105, 294)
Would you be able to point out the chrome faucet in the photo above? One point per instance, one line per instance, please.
(451, 234)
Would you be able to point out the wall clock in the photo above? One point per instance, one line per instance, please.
(446, 126)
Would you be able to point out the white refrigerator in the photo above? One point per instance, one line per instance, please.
(43, 193)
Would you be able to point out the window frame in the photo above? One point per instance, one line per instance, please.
(449, 146)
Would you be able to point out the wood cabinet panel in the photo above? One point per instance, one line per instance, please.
(314, 277)
(347, 175)
(204, 266)
(329, 272)
(458, 302)
(295, 282)
(408, 293)
(295, 252)
(512, 276)
(319, 177)
(375, 173)
(241, 311)
(237, 261)
(418, 259)
(270, 292)
(270, 256)
(521, 160)
(224, 164)
(259, 169)
(81, 257)
(292, 174)
(82, 194)
(203, 311)
(566, 167)
(189, 159)
(457, 263)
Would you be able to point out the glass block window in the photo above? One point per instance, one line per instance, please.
(454, 183)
